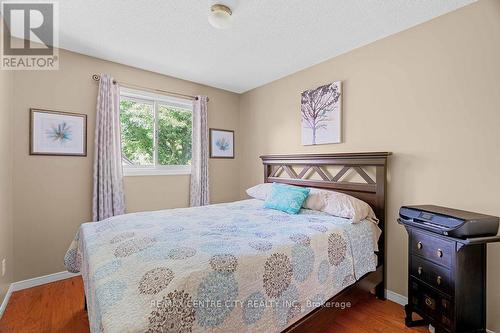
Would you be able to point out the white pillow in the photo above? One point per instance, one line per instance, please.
(260, 191)
(330, 202)
(339, 204)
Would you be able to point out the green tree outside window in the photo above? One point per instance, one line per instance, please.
(173, 133)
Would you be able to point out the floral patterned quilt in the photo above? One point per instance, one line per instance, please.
(233, 267)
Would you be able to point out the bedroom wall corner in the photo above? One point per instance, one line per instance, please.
(430, 95)
(53, 194)
(6, 175)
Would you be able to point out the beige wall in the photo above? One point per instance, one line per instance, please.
(6, 229)
(52, 195)
(430, 95)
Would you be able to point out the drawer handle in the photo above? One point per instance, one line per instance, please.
(439, 280)
(419, 245)
(439, 253)
(420, 270)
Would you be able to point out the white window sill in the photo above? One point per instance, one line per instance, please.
(165, 171)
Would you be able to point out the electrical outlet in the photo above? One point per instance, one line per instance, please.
(4, 266)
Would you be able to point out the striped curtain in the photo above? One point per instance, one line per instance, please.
(108, 197)
(199, 192)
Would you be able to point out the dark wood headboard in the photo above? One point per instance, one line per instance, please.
(298, 170)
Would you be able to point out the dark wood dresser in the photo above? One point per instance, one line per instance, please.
(446, 281)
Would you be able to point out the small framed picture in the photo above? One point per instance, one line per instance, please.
(221, 143)
(57, 133)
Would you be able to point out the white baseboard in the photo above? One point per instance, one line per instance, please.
(38, 281)
(403, 300)
(25, 284)
(3, 306)
(395, 297)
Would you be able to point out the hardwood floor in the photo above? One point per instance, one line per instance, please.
(58, 307)
(53, 307)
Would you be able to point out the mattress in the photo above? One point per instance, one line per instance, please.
(218, 268)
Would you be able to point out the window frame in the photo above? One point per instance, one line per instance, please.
(155, 100)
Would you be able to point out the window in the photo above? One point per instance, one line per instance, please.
(156, 133)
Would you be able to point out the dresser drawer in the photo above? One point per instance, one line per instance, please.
(432, 248)
(432, 274)
(431, 303)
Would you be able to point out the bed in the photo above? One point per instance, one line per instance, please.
(236, 266)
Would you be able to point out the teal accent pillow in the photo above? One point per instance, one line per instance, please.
(286, 198)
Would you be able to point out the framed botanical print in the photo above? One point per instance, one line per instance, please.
(221, 143)
(321, 113)
(57, 133)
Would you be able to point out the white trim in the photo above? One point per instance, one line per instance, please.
(38, 281)
(165, 170)
(396, 298)
(5, 301)
(149, 96)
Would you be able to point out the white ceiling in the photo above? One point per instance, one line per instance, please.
(269, 38)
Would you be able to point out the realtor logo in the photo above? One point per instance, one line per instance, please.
(29, 36)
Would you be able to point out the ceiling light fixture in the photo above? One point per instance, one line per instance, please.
(220, 16)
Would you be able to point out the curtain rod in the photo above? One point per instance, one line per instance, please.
(97, 78)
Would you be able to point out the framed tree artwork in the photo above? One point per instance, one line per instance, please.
(321, 113)
(221, 143)
(57, 133)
